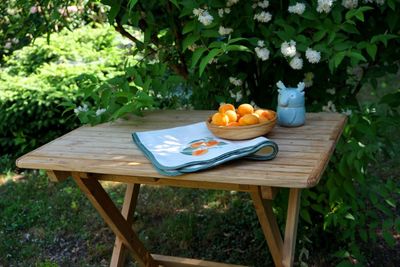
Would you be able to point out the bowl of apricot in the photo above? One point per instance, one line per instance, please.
(245, 122)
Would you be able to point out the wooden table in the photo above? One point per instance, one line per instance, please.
(106, 152)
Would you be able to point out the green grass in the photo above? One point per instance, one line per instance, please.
(45, 223)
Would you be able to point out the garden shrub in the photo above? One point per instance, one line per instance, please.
(236, 51)
(36, 80)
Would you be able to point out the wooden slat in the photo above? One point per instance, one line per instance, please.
(169, 261)
(111, 215)
(289, 244)
(269, 226)
(128, 209)
(58, 176)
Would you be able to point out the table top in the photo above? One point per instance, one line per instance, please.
(108, 148)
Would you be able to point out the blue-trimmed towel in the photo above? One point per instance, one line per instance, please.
(193, 147)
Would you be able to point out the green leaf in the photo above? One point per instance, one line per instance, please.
(175, 2)
(189, 27)
(350, 217)
(388, 236)
(357, 56)
(318, 36)
(131, 4)
(197, 54)
(189, 40)
(350, 28)
(115, 7)
(338, 58)
(371, 50)
(127, 108)
(235, 40)
(383, 38)
(238, 48)
(358, 13)
(213, 53)
(305, 215)
(349, 188)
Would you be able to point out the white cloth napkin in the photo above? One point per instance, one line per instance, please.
(193, 147)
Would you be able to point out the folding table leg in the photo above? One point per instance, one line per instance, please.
(269, 225)
(113, 217)
(128, 209)
(292, 218)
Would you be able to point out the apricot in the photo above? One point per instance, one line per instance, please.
(220, 119)
(199, 152)
(231, 115)
(234, 123)
(244, 109)
(248, 119)
(265, 114)
(225, 107)
(212, 143)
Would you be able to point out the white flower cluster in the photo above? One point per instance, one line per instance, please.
(313, 56)
(330, 107)
(100, 111)
(261, 51)
(8, 45)
(347, 112)
(350, 4)
(225, 10)
(230, 3)
(224, 31)
(263, 17)
(288, 49)
(325, 6)
(298, 8)
(263, 4)
(238, 96)
(296, 63)
(235, 81)
(331, 91)
(203, 16)
(83, 108)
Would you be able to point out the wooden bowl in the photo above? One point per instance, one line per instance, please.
(242, 132)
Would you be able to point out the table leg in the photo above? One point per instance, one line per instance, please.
(128, 209)
(289, 244)
(269, 225)
(112, 216)
(282, 251)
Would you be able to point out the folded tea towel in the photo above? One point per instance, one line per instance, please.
(193, 147)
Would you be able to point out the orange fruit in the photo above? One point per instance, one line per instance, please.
(231, 115)
(269, 114)
(212, 143)
(265, 114)
(244, 109)
(234, 123)
(259, 111)
(197, 144)
(199, 152)
(248, 119)
(220, 119)
(225, 107)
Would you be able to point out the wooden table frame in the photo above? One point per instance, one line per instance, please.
(66, 156)
(282, 250)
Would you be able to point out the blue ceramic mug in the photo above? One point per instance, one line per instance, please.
(291, 108)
